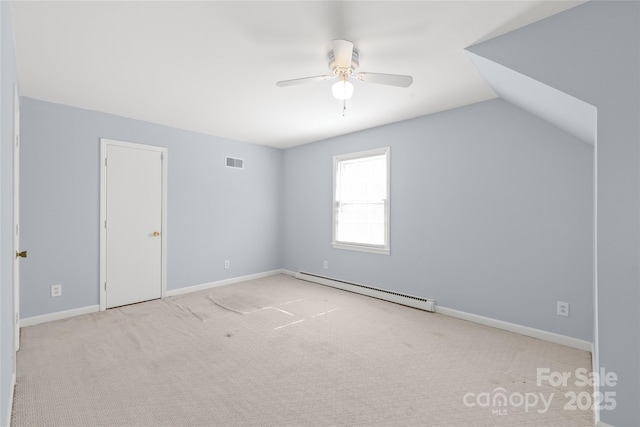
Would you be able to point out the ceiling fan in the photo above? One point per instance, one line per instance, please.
(343, 63)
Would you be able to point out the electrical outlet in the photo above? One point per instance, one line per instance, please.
(56, 290)
(563, 309)
(325, 264)
(227, 264)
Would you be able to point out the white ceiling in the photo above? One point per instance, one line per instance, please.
(211, 66)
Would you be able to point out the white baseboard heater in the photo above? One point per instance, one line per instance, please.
(408, 300)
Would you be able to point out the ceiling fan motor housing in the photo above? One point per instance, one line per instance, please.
(337, 69)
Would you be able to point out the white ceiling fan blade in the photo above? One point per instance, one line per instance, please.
(386, 79)
(303, 80)
(342, 53)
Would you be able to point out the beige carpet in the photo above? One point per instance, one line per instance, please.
(283, 352)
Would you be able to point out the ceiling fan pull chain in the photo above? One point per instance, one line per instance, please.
(344, 107)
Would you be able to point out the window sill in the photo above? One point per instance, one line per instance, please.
(362, 248)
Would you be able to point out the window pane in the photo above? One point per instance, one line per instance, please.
(361, 223)
(363, 179)
(360, 196)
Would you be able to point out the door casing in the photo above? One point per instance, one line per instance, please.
(16, 222)
(104, 143)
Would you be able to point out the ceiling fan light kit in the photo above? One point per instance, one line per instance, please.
(343, 63)
(342, 89)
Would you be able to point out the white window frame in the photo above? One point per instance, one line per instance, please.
(354, 246)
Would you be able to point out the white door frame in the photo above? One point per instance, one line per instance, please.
(16, 221)
(104, 143)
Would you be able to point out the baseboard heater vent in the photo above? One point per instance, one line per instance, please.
(408, 300)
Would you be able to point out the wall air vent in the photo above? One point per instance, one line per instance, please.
(235, 163)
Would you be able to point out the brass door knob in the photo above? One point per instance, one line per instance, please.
(22, 254)
(156, 233)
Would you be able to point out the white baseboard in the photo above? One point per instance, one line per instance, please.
(203, 286)
(30, 321)
(58, 315)
(596, 390)
(13, 391)
(507, 326)
(519, 329)
(430, 304)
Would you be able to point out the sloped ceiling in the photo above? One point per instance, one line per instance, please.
(211, 66)
(570, 114)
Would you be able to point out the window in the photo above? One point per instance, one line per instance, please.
(361, 201)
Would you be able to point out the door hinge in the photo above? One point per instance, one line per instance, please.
(105, 223)
(17, 229)
(105, 162)
(17, 318)
(105, 286)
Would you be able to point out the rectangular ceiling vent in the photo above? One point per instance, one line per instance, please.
(235, 163)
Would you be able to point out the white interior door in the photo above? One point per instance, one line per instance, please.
(16, 221)
(133, 224)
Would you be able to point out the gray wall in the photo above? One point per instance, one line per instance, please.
(8, 79)
(592, 52)
(491, 214)
(214, 213)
